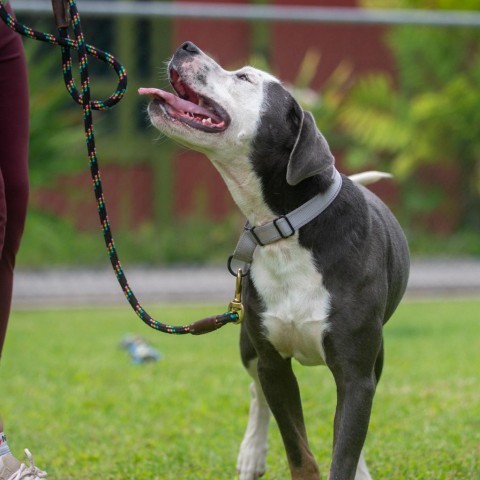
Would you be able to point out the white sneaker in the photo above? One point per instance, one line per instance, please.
(12, 469)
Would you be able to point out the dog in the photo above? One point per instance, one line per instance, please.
(321, 293)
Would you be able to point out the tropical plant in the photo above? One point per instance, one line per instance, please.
(428, 114)
(56, 141)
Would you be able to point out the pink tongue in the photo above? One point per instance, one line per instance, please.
(176, 102)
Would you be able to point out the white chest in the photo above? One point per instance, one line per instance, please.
(296, 300)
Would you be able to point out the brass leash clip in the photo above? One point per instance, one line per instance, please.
(236, 305)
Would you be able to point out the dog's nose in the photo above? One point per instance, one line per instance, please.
(190, 47)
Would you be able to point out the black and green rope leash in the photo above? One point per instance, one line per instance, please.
(62, 14)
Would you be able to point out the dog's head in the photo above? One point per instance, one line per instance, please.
(230, 114)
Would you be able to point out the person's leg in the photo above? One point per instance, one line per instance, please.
(14, 127)
(3, 226)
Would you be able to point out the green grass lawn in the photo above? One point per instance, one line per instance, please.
(74, 398)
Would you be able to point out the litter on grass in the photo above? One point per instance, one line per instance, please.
(139, 349)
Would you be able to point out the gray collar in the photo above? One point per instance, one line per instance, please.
(280, 228)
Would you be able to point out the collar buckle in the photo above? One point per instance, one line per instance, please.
(279, 225)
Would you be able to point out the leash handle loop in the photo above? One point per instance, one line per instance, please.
(63, 40)
(61, 14)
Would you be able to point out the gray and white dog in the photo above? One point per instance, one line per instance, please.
(323, 294)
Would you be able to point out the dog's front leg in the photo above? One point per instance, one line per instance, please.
(356, 379)
(283, 396)
(352, 416)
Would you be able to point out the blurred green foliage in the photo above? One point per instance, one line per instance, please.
(429, 114)
(424, 4)
(53, 241)
(56, 141)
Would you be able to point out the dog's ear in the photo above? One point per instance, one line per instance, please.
(310, 154)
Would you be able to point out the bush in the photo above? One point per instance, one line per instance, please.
(52, 241)
(428, 115)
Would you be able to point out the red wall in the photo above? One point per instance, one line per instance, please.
(226, 40)
(198, 187)
(128, 194)
(228, 43)
(361, 45)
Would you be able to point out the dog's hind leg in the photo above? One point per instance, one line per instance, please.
(362, 472)
(251, 461)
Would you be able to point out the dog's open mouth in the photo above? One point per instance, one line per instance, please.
(189, 107)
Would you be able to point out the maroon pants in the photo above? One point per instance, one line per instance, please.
(14, 125)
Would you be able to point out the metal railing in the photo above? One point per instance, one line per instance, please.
(271, 13)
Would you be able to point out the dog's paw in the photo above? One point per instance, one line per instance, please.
(249, 475)
(251, 462)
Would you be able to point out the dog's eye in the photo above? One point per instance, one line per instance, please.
(243, 76)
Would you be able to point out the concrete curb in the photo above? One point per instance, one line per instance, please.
(206, 285)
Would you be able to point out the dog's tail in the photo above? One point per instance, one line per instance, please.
(367, 178)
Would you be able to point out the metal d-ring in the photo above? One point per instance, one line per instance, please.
(232, 271)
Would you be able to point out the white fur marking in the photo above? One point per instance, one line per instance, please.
(296, 301)
(245, 188)
(362, 472)
(251, 461)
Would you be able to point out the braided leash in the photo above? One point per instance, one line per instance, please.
(234, 314)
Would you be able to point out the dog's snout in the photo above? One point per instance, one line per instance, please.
(190, 48)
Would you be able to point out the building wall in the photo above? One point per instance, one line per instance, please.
(193, 185)
(284, 45)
